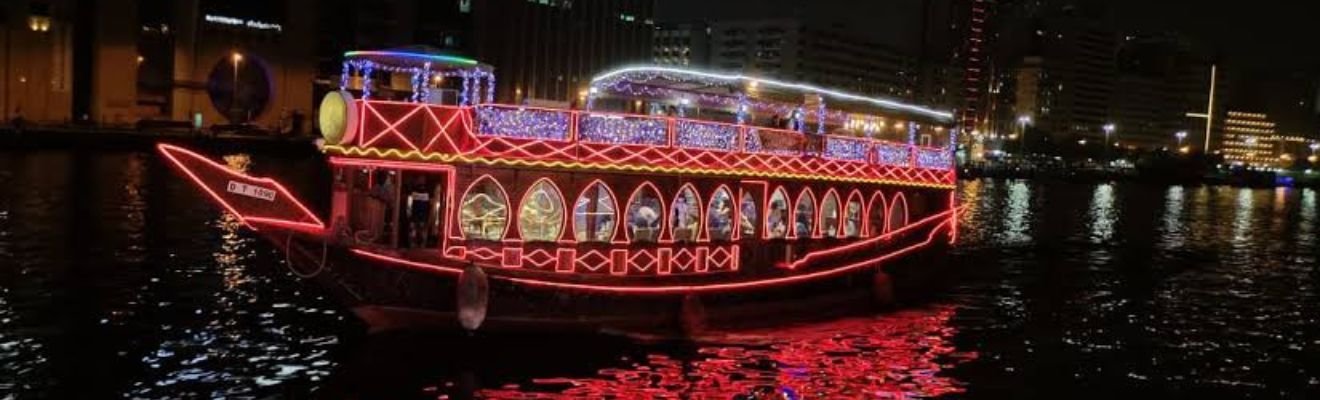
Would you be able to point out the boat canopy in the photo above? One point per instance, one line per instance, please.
(424, 64)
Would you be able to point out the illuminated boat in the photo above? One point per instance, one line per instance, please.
(671, 197)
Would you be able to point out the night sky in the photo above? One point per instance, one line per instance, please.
(1263, 34)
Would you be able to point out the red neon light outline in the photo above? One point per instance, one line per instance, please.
(862, 211)
(733, 213)
(168, 151)
(718, 287)
(700, 213)
(815, 212)
(953, 220)
(627, 231)
(614, 231)
(563, 215)
(838, 215)
(448, 214)
(894, 202)
(871, 229)
(788, 211)
(505, 194)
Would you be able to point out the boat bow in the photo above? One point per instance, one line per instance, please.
(254, 201)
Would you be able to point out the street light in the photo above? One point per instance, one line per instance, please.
(1109, 130)
(233, 103)
(1180, 135)
(1023, 121)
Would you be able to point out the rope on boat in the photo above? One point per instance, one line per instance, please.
(288, 258)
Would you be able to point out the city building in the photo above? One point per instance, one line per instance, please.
(1250, 139)
(789, 49)
(190, 60)
(550, 49)
(682, 44)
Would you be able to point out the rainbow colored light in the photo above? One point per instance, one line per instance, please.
(420, 56)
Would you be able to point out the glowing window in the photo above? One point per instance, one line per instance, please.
(685, 220)
(804, 216)
(747, 216)
(776, 215)
(829, 215)
(878, 212)
(719, 217)
(898, 213)
(594, 214)
(644, 215)
(484, 212)
(541, 215)
(852, 217)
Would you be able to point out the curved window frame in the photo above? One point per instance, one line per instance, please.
(556, 200)
(813, 209)
(748, 219)
(463, 204)
(613, 202)
(876, 221)
(695, 210)
(785, 219)
(894, 206)
(660, 214)
(821, 215)
(730, 213)
(860, 223)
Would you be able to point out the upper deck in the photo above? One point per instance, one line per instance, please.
(505, 135)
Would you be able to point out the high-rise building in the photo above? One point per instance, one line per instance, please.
(682, 44)
(1250, 139)
(550, 49)
(36, 79)
(789, 49)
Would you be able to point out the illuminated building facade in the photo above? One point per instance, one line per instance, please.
(682, 44)
(1251, 139)
(36, 49)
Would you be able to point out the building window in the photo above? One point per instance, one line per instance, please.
(594, 214)
(804, 216)
(484, 212)
(852, 216)
(829, 215)
(719, 217)
(541, 215)
(644, 215)
(776, 215)
(686, 215)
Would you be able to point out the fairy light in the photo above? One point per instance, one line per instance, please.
(617, 129)
(848, 149)
(893, 155)
(523, 123)
(711, 136)
(934, 159)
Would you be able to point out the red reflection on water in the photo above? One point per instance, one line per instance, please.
(893, 356)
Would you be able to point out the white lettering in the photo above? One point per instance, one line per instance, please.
(252, 191)
(252, 24)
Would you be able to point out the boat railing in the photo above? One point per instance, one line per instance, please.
(642, 132)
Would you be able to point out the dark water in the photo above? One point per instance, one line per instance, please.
(119, 281)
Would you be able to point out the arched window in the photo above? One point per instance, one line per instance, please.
(898, 215)
(879, 209)
(645, 215)
(776, 215)
(541, 215)
(747, 216)
(685, 217)
(829, 215)
(719, 216)
(852, 216)
(594, 214)
(484, 212)
(804, 216)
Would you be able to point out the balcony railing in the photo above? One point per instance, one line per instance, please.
(401, 125)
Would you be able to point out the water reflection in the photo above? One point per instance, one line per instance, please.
(1102, 213)
(1173, 234)
(1018, 215)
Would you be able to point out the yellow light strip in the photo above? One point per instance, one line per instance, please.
(413, 155)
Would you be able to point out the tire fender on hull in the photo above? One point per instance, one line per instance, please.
(473, 295)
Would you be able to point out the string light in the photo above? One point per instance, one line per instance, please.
(934, 158)
(523, 123)
(892, 154)
(618, 129)
(712, 136)
(848, 149)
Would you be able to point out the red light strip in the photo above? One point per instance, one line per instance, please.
(169, 152)
(720, 287)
